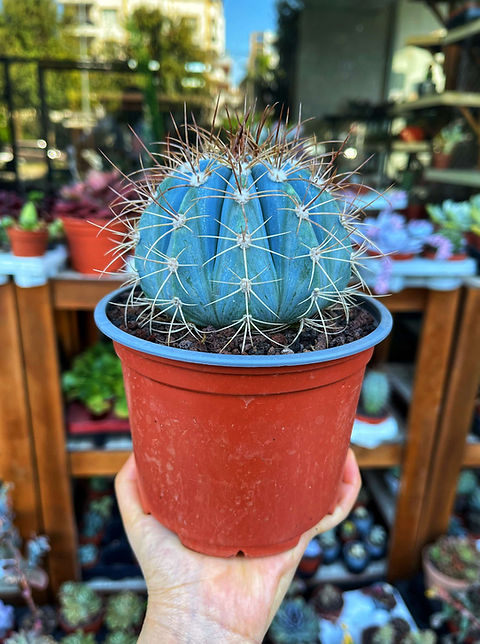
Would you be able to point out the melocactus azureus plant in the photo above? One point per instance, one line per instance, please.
(244, 235)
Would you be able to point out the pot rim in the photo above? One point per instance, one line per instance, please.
(379, 311)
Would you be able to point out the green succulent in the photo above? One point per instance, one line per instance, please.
(124, 611)
(28, 637)
(121, 637)
(384, 635)
(79, 604)
(79, 637)
(375, 392)
(96, 380)
(467, 482)
(456, 557)
(102, 506)
(420, 637)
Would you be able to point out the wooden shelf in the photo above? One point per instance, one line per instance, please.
(386, 455)
(471, 457)
(99, 462)
(74, 292)
(337, 573)
(446, 99)
(411, 146)
(443, 37)
(469, 178)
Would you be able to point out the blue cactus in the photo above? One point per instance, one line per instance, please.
(375, 392)
(243, 234)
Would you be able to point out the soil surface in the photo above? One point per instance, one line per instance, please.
(360, 324)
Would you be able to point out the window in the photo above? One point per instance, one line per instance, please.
(109, 17)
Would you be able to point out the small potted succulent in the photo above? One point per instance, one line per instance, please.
(80, 608)
(88, 555)
(92, 528)
(453, 220)
(391, 234)
(444, 142)
(93, 229)
(7, 620)
(29, 234)
(79, 637)
(331, 546)
(311, 559)
(327, 600)
(241, 248)
(355, 556)
(99, 486)
(473, 237)
(451, 563)
(374, 398)
(363, 519)
(382, 596)
(294, 623)
(348, 531)
(95, 380)
(426, 636)
(393, 632)
(121, 637)
(124, 612)
(29, 637)
(376, 542)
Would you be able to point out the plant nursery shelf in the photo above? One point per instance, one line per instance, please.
(446, 99)
(96, 462)
(37, 320)
(336, 573)
(470, 178)
(441, 37)
(108, 462)
(472, 455)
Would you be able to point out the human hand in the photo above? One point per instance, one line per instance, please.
(196, 598)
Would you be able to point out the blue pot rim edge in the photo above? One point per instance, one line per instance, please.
(377, 309)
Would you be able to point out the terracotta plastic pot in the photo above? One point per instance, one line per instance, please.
(436, 579)
(441, 161)
(91, 248)
(240, 453)
(371, 420)
(92, 627)
(28, 243)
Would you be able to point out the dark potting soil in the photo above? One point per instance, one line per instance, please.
(360, 324)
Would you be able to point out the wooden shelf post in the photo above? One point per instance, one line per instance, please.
(39, 342)
(456, 420)
(430, 377)
(17, 457)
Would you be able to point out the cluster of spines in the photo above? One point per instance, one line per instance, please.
(193, 157)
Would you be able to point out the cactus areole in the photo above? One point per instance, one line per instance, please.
(241, 453)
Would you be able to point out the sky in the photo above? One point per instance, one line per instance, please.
(242, 17)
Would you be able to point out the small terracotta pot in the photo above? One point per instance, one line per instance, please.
(371, 420)
(92, 250)
(401, 257)
(441, 161)
(456, 257)
(28, 243)
(436, 579)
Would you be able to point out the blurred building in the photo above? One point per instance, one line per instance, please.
(101, 23)
(262, 46)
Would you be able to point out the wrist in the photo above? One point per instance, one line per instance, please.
(168, 623)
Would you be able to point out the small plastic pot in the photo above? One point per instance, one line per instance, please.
(363, 523)
(375, 550)
(311, 560)
(436, 579)
(355, 563)
(28, 243)
(92, 248)
(92, 627)
(240, 453)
